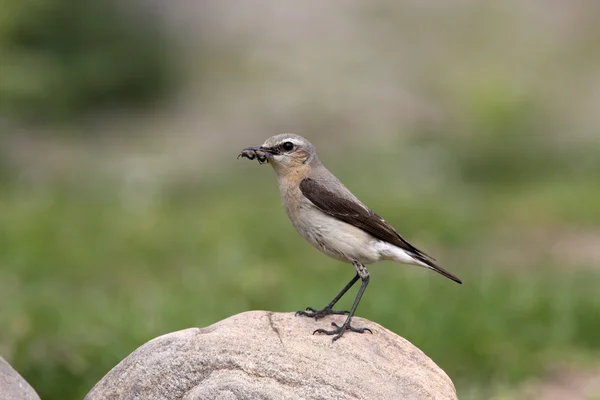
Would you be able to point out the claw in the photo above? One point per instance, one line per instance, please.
(340, 329)
(311, 312)
(304, 312)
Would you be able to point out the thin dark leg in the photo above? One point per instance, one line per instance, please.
(343, 292)
(328, 310)
(346, 326)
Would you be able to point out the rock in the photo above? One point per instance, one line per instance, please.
(266, 355)
(13, 386)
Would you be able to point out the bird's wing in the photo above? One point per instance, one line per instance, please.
(356, 214)
(348, 209)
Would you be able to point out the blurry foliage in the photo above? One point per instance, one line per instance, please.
(92, 270)
(4, 169)
(509, 140)
(61, 58)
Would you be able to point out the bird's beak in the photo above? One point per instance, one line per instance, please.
(262, 153)
(258, 148)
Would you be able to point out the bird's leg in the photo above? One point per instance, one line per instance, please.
(339, 330)
(328, 310)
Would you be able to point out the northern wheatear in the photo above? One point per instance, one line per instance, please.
(333, 220)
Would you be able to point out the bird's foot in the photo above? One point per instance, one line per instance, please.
(340, 329)
(311, 312)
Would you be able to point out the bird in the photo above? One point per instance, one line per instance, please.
(333, 220)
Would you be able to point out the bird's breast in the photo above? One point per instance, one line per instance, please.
(333, 237)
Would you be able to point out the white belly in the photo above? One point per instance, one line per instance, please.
(336, 238)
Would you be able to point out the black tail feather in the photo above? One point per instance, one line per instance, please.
(433, 266)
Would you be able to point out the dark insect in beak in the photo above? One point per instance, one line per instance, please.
(261, 154)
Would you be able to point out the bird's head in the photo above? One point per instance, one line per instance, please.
(286, 152)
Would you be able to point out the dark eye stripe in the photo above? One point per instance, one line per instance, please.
(280, 148)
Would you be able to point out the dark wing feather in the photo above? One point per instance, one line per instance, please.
(354, 213)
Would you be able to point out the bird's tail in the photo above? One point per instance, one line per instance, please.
(426, 262)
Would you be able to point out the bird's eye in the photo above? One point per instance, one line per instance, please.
(287, 146)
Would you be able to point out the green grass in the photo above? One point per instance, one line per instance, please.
(91, 270)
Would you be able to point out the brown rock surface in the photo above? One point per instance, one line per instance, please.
(266, 355)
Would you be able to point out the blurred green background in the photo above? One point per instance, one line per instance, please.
(472, 127)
